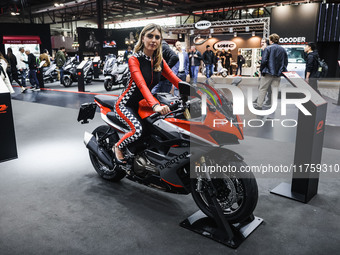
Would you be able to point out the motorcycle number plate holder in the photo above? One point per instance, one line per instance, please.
(86, 111)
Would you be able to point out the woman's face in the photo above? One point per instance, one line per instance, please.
(151, 40)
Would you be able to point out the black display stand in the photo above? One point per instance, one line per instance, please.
(338, 103)
(8, 147)
(40, 77)
(308, 146)
(80, 76)
(95, 64)
(218, 228)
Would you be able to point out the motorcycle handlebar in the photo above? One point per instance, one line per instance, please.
(171, 107)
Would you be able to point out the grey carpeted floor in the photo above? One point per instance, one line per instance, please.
(53, 202)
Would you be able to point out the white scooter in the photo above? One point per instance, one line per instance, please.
(116, 72)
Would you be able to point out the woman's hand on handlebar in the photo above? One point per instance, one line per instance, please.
(162, 109)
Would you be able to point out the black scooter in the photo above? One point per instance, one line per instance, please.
(70, 71)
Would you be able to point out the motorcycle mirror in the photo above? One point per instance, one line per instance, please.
(187, 89)
(236, 81)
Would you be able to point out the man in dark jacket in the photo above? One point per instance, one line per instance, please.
(60, 60)
(195, 58)
(274, 62)
(311, 65)
(209, 61)
(32, 74)
(171, 59)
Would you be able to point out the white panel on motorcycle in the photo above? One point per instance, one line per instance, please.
(86, 111)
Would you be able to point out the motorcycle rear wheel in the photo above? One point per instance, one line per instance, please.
(115, 174)
(237, 195)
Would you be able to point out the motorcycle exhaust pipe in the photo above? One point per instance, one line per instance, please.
(91, 143)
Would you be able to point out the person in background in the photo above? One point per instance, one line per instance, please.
(274, 62)
(171, 59)
(228, 59)
(45, 57)
(14, 71)
(240, 62)
(32, 74)
(21, 66)
(181, 69)
(209, 61)
(60, 60)
(127, 54)
(4, 80)
(311, 65)
(195, 58)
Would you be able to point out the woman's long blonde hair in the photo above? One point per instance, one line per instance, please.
(157, 55)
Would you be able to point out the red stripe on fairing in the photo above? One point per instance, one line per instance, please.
(175, 185)
(119, 112)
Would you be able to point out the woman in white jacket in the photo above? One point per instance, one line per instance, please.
(4, 80)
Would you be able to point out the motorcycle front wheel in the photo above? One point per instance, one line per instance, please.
(67, 81)
(236, 193)
(115, 174)
(108, 85)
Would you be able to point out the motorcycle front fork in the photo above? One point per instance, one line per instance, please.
(205, 178)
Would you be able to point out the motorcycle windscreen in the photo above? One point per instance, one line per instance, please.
(212, 125)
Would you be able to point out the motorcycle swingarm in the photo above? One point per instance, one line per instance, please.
(86, 111)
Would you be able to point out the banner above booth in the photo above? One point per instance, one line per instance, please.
(21, 39)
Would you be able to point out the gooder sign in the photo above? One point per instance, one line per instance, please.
(227, 45)
(203, 24)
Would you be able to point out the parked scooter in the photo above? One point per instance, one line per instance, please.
(220, 69)
(50, 73)
(167, 155)
(116, 72)
(70, 71)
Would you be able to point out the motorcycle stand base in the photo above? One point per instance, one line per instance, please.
(207, 227)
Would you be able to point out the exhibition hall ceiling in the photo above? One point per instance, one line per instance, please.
(54, 11)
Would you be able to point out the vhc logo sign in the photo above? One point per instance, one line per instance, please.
(227, 45)
(203, 24)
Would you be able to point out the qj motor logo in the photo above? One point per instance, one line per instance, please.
(3, 108)
(239, 105)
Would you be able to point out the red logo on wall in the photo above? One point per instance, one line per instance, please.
(319, 127)
(3, 108)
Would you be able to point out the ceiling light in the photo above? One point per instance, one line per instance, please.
(253, 33)
(199, 36)
(180, 36)
(247, 29)
(210, 36)
(231, 30)
(211, 30)
(235, 34)
(191, 32)
(56, 5)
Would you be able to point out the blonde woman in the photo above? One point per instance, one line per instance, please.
(146, 66)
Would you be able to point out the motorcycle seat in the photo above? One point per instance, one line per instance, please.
(112, 116)
(107, 101)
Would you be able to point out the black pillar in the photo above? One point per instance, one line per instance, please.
(100, 14)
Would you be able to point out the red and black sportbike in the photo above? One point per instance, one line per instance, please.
(174, 146)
